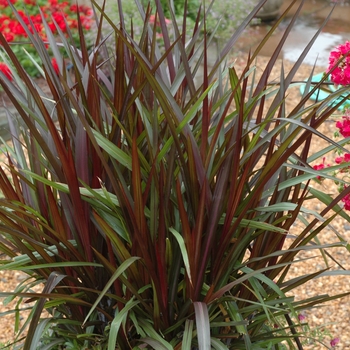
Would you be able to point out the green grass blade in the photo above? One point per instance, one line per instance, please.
(187, 336)
(121, 269)
(218, 345)
(116, 323)
(184, 254)
(32, 337)
(202, 325)
(153, 338)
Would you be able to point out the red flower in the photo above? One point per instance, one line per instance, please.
(4, 3)
(63, 26)
(89, 12)
(37, 28)
(346, 201)
(24, 16)
(344, 159)
(320, 167)
(17, 29)
(9, 36)
(6, 70)
(52, 27)
(73, 23)
(60, 20)
(55, 65)
(344, 126)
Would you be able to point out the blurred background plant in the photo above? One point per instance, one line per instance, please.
(30, 12)
(224, 17)
(152, 207)
(338, 70)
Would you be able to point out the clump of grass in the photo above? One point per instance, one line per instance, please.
(153, 207)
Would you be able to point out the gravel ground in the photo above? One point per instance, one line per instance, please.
(335, 316)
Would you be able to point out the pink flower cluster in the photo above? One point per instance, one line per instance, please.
(339, 69)
(339, 64)
(320, 166)
(344, 126)
(346, 201)
(343, 159)
(344, 130)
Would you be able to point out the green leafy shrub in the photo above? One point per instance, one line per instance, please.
(153, 204)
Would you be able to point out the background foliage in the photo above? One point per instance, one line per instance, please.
(224, 16)
(58, 14)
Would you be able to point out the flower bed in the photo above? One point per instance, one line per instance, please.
(60, 16)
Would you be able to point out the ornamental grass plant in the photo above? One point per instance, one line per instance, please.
(152, 206)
